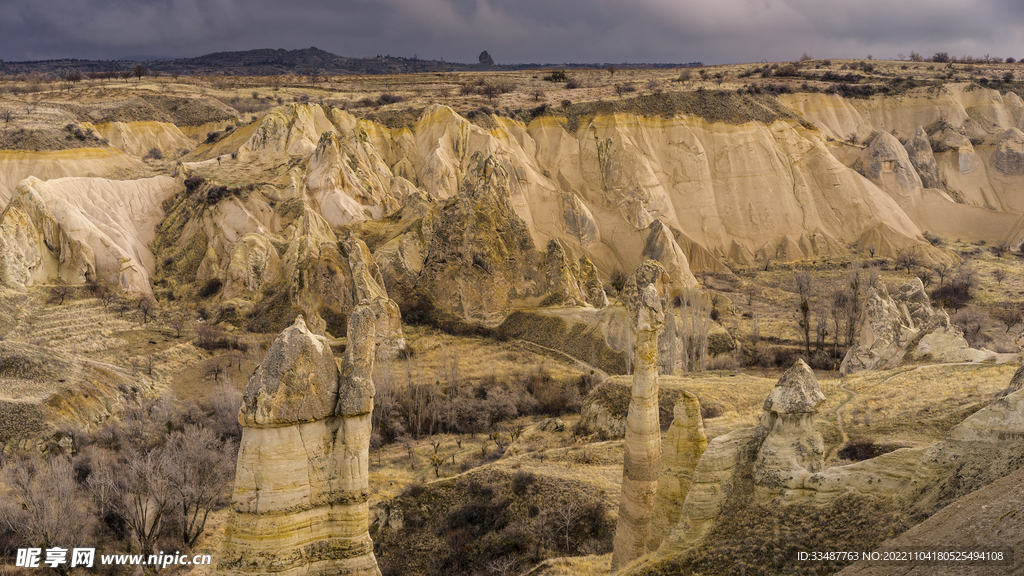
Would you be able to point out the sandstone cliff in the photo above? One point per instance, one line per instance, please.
(78, 229)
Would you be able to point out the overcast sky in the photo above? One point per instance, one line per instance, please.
(514, 31)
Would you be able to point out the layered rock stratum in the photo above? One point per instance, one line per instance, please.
(301, 486)
(487, 217)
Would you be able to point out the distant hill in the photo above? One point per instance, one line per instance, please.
(267, 61)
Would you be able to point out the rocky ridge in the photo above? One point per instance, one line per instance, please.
(893, 326)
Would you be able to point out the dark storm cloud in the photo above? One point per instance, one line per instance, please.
(514, 30)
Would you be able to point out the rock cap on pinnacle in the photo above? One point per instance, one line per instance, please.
(297, 382)
(797, 391)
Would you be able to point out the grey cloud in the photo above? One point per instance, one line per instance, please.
(513, 31)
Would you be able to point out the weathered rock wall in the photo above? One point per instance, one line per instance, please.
(892, 326)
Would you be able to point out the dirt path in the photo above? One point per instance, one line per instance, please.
(535, 347)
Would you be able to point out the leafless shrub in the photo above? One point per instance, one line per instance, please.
(42, 506)
(1010, 317)
(971, 320)
(200, 465)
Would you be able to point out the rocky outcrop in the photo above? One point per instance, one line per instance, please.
(919, 151)
(480, 257)
(790, 448)
(300, 500)
(367, 287)
(779, 456)
(563, 286)
(76, 229)
(1009, 154)
(684, 444)
(885, 162)
(642, 448)
(713, 480)
(892, 326)
(782, 457)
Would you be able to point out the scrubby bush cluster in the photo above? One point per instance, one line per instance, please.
(411, 403)
(145, 483)
(493, 523)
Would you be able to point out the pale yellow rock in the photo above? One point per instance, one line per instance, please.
(138, 138)
(81, 228)
(712, 482)
(642, 448)
(300, 500)
(891, 324)
(684, 444)
(790, 448)
(17, 165)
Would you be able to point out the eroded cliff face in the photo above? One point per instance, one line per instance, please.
(611, 189)
(79, 229)
(300, 501)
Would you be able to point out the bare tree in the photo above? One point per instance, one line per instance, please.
(999, 274)
(908, 259)
(59, 291)
(503, 566)
(146, 306)
(695, 323)
(42, 505)
(565, 517)
(803, 285)
(139, 71)
(839, 311)
(1009, 316)
(139, 490)
(200, 466)
(7, 115)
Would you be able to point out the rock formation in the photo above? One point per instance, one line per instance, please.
(300, 500)
(790, 448)
(919, 151)
(892, 326)
(779, 455)
(783, 458)
(685, 442)
(885, 162)
(713, 481)
(1009, 155)
(642, 449)
(76, 229)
